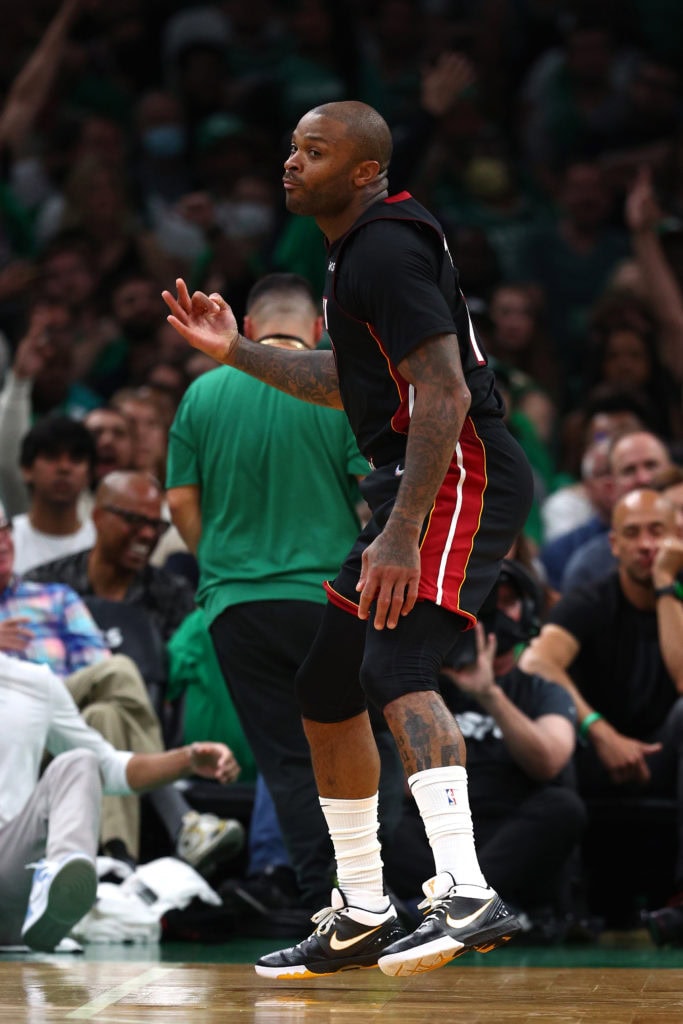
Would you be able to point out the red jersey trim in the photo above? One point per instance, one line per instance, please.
(400, 197)
(401, 418)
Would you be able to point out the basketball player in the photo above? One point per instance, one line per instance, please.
(449, 491)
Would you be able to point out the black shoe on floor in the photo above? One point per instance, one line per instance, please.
(345, 938)
(117, 850)
(665, 925)
(267, 905)
(274, 888)
(453, 925)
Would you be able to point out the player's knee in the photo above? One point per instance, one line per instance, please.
(376, 684)
(325, 696)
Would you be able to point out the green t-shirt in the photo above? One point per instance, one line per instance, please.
(278, 486)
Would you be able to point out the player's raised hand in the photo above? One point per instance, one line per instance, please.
(205, 321)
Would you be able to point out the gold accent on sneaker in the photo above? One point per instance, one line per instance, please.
(338, 944)
(462, 922)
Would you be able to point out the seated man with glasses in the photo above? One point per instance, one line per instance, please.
(128, 524)
(127, 519)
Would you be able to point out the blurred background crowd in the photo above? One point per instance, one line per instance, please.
(143, 140)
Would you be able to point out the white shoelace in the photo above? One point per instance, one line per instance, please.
(324, 919)
(432, 903)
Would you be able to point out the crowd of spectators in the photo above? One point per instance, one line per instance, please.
(143, 141)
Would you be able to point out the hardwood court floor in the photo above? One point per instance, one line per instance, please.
(151, 985)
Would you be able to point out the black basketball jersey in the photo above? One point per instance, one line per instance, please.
(390, 285)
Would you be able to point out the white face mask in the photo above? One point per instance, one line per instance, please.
(245, 219)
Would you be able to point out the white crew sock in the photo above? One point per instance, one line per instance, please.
(353, 827)
(443, 803)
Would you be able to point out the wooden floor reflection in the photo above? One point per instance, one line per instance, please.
(50, 991)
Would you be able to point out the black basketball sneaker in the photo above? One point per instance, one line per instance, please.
(345, 938)
(453, 925)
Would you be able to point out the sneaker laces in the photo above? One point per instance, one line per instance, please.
(433, 903)
(324, 919)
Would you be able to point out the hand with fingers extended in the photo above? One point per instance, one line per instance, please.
(624, 758)
(205, 321)
(390, 575)
(477, 679)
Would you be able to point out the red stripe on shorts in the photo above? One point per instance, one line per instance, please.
(453, 525)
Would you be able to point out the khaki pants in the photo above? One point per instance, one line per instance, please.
(112, 698)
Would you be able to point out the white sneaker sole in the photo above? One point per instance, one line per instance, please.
(71, 894)
(299, 971)
(296, 971)
(426, 957)
(431, 955)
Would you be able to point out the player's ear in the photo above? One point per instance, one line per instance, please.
(366, 172)
(318, 329)
(247, 326)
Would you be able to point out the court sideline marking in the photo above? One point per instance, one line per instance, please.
(112, 995)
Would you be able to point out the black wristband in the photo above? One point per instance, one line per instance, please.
(675, 589)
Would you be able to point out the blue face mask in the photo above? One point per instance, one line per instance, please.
(164, 140)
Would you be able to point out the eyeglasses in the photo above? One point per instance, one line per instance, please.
(136, 520)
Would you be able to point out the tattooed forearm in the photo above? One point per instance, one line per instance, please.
(310, 376)
(441, 404)
(425, 731)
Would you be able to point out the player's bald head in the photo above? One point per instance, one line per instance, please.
(364, 125)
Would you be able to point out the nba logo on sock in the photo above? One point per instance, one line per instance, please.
(450, 796)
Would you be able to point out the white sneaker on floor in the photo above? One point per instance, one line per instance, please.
(63, 891)
(206, 840)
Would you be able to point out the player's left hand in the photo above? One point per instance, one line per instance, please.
(390, 575)
(214, 761)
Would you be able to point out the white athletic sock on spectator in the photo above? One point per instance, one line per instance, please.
(443, 803)
(353, 827)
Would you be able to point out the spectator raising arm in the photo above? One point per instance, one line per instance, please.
(32, 85)
(642, 216)
(541, 746)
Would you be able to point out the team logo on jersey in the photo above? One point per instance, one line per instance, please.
(331, 265)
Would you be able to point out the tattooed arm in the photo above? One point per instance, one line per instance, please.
(310, 376)
(442, 401)
(208, 324)
(391, 564)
